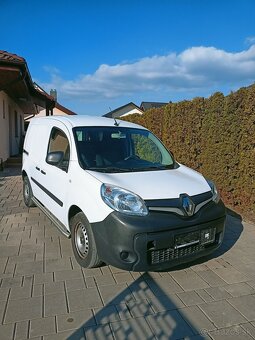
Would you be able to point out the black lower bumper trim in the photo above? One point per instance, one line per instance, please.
(154, 242)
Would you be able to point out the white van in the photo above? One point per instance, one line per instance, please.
(119, 194)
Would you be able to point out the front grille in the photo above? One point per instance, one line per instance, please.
(165, 255)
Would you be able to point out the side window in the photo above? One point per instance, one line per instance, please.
(145, 148)
(59, 143)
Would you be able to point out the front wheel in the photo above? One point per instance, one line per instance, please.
(27, 193)
(83, 242)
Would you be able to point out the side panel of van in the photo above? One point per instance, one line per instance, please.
(36, 147)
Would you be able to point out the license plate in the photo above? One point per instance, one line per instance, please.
(188, 239)
(204, 236)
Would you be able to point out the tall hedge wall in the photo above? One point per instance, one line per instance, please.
(215, 136)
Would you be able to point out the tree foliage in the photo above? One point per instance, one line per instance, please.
(215, 136)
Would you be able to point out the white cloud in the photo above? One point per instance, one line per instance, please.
(250, 40)
(193, 69)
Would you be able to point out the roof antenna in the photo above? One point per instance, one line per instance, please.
(115, 121)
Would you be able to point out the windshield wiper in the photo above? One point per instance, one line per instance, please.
(154, 167)
(110, 169)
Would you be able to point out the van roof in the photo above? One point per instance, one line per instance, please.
(83, 120)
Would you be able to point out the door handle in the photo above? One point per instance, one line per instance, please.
(43, 172)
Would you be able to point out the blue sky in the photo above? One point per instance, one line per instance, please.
(100, 54)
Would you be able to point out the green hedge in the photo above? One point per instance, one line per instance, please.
(215, 136)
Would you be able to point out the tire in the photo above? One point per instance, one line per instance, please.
(27, 193)
(83, 242)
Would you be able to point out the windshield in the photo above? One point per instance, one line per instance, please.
(120, 149)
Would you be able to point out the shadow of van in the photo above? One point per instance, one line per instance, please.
(143, 310)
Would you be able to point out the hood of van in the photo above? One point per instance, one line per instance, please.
(160, 184)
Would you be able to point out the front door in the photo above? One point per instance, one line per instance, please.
(54, 179)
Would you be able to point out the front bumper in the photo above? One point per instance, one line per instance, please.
(150, 243)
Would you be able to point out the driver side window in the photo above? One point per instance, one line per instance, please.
(59, 143)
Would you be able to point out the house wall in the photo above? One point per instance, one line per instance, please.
(11, 127)
(128, 110)
(56, 112)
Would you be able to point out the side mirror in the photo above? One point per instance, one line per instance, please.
(54, 158)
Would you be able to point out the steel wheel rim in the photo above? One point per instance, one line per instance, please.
(81, 240)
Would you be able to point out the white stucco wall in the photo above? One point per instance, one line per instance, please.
(9, 138)
(127, 110)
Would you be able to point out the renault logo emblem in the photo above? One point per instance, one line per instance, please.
(187, 204)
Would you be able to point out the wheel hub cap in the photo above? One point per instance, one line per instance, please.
(81, 240)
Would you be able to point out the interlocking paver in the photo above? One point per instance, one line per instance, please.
(75, 320)
(222, 314)
(6, 331)
(132, 329)
(189, 280)
(245, 305)
(239, 289)
(70, 335)
(164, 285)
(249, 328)
(115, 294)
(9, 250)
(105, 280)
(190, 298)
(230, 275)
(75, 284)
(68, 275)
(25, 309)
(101, 332)
(106, 315)
(167, 302)
(11, 282)
(139, 308)
(55, 304)
(204, 295)
(211, 278)
(42, 326)
(4, 292)
(168, 325)
(20, 293)
(218, 293)
(234, 332)
(123, 277)
(37, 290)
(29, 268)
(54, 265)
(21, 330)
(84, 298)
(54, 288)
(196, 319)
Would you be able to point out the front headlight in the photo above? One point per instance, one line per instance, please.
(122, 200)
(215, 193)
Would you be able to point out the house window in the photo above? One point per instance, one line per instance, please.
(3, 109)
(16, 123)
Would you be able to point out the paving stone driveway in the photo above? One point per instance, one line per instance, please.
(44, 294)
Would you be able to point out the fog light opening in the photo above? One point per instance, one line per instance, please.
(128, 256)
(124, 255)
